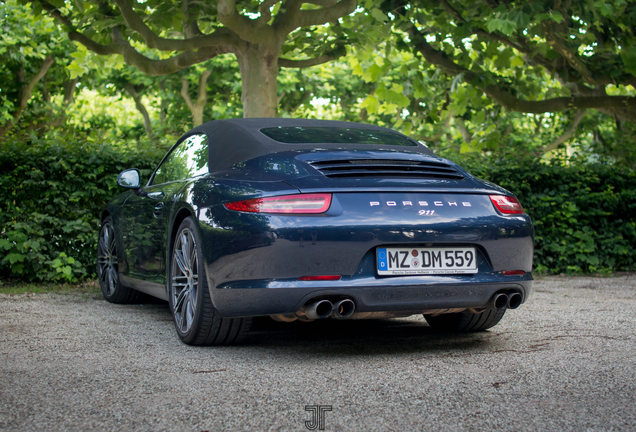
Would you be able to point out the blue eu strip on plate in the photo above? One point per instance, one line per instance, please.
(381, 259)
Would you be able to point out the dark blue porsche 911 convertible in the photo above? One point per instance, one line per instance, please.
(306, 220)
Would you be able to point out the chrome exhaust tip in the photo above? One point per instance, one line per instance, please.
(343, 309)
(318, 309)
(514, 300)
(499, 301)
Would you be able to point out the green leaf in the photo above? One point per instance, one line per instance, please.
(79, 4)
(75, 69)
(554, 16)
(17, 268)
(371, 104)
(465, 148)
(517, 61)
(501, 24)
(14, 257)
(605, 8)
(379, 15)
(393, 95)
(628, 55)
(373, 73)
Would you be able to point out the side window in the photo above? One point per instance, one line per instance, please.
(189, 159)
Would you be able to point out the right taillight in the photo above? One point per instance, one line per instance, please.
(507, 204)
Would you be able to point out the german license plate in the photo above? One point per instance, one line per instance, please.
(415, 261)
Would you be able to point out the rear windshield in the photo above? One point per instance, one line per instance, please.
(335, 135)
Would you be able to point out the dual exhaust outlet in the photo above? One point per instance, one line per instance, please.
(324, 308)
(319, 309)
(506, 301)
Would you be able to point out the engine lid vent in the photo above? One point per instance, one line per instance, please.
(386, 168)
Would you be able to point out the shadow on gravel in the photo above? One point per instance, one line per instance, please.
(344, 338)
(361, 337)
(143, 298)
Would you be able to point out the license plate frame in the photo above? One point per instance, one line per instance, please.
(392, 261)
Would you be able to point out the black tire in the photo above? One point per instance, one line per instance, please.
(196, 320)
(107, 267)
(465, 321)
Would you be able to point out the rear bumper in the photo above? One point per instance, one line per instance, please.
(253, 261)
(254, 298)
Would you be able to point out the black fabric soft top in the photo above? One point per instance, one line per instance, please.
(237, 140)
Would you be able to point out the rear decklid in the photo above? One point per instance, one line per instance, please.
(334, 170)
(361, 171)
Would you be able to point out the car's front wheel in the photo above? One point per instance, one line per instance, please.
(195, 318)
(107, 267)
(465, 321)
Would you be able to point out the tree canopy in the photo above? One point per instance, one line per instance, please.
(32, 52)
(584, 50)
(161, 38)
(475, 64)
(486, 77)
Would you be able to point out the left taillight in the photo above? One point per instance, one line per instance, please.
(507, 204)
(286, 204)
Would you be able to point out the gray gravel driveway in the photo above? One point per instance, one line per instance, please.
(566, 360)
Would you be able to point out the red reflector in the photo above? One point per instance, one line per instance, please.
(506, 204)
(319, 278)
(286, 204)
(512, 272)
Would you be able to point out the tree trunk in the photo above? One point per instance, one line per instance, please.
(259, 71)
(69, 91)
(25, 93)
(196, 108)
(461, 125)
(163, 106)
(140, 107)
(69, 98)
(569, 133)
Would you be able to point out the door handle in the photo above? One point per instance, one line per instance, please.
(158, 209)
(155, 195)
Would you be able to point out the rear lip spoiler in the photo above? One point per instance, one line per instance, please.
(384, 189)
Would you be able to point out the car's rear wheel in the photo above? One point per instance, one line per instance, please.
(465, 321)
(107, 267)
(195, 318)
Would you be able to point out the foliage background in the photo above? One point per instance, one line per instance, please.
(52, 192)
(91, 116)
(584, 214)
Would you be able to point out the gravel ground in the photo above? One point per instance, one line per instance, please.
(566, 360)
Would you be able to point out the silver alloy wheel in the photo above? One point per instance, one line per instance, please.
(107, 259)
(184, 280)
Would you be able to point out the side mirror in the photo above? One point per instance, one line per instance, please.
(129, 179)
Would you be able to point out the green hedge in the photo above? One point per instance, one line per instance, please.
(584, 214)
(51, 194)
